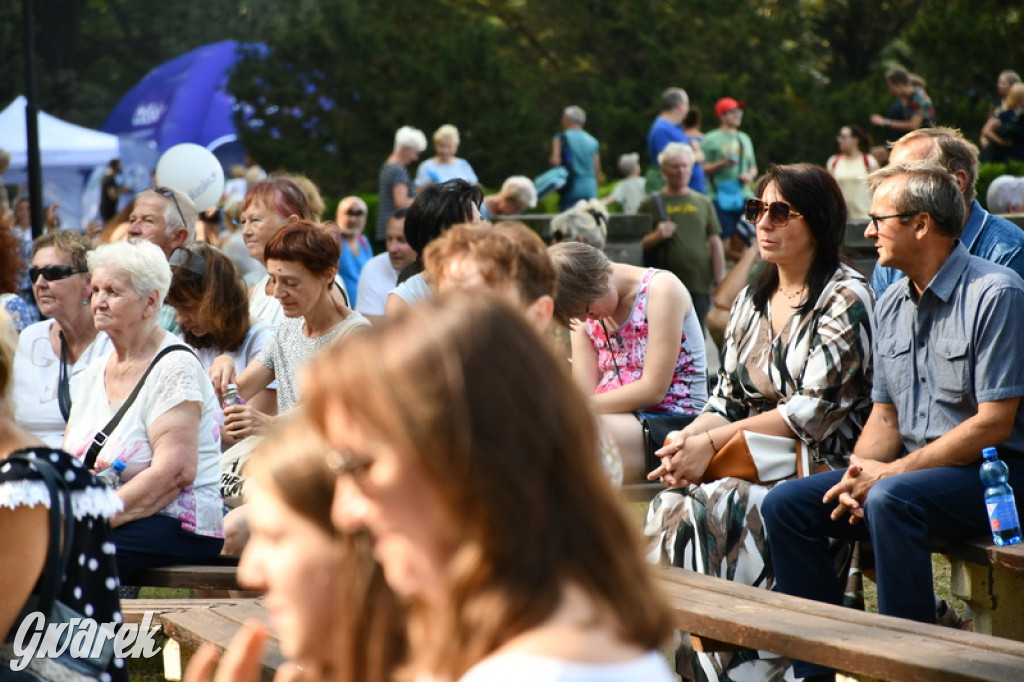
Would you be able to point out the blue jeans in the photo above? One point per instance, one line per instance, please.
(727, 220)
(159, 541)
(902, 516)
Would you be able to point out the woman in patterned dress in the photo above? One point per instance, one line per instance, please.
(636, 342)
(797, 364)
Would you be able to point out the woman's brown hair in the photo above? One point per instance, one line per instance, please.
(11, 265)
(462, 385)
(368, 637)
(315, 246)
(205, 281)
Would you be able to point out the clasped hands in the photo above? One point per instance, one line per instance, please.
(852, 491)
(684, 458)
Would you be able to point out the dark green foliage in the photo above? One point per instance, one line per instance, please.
(343, 75)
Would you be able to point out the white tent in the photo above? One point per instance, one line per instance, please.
(69, 153)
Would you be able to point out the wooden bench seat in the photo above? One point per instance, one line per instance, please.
(190, 628)
(990, 579)
(220, 573)
(865, 644)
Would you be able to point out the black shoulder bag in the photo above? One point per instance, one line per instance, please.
(45, 598)
(654, 257)
(100, 439)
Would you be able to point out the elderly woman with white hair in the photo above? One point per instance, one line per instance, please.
(516, 195)
(445, 165)
(585, 222)
(166, 436)
(394, 186)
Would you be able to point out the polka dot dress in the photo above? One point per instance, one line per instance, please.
(90, 586)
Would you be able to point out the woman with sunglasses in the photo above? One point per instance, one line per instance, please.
(796, 365)
(851, 166)
(52, 354)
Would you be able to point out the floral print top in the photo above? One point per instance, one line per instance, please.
(621, 353)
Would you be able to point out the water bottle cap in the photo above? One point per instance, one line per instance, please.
(118, 465)
(989, 453)
(232, 387)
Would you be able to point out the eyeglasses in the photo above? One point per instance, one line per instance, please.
(169, 193)
(779, 212)
(344, 463)
(53, 273)
(355, 212)
(876, 218)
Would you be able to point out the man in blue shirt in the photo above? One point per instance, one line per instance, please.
(985, 235)
(668, 127)
(948, 381)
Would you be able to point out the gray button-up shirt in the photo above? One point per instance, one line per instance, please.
(960, 344)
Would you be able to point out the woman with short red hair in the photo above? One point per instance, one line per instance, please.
(302, 261)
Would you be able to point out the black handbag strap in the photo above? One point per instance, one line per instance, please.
(100, 439)
(57, 558)
(63, 380)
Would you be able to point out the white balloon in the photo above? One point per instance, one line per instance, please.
(193, 170)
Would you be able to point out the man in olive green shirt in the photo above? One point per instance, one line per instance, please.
(688, 244)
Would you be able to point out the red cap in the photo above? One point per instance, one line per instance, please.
(727, 104)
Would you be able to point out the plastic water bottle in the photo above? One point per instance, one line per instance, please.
(112, 474)
(231, 396)
(1002, 510)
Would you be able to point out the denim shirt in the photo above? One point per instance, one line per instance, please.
(939, 355)
(987, 236)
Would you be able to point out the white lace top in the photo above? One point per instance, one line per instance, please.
(177, 378)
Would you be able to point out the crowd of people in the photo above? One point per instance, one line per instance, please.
(416, 453)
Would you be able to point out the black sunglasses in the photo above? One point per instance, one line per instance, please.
(52, 273)
(169, 193)
(779, 212)
(355, 212)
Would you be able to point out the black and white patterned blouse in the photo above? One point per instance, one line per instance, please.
(91, 584)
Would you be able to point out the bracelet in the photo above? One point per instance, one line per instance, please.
(711, 440)
(887, 122)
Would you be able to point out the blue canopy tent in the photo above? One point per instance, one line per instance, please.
(184, 100)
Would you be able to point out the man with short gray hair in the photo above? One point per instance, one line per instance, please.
(985, 235)
(668, 127)
(166, 217)
(685, 239)
(579, 152)
(948, 381)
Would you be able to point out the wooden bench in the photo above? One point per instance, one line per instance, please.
(990, 579)
(221, 573)
(186, 622)
(190, 628)
(867, 645)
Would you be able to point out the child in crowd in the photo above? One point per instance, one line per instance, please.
(630, 191)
